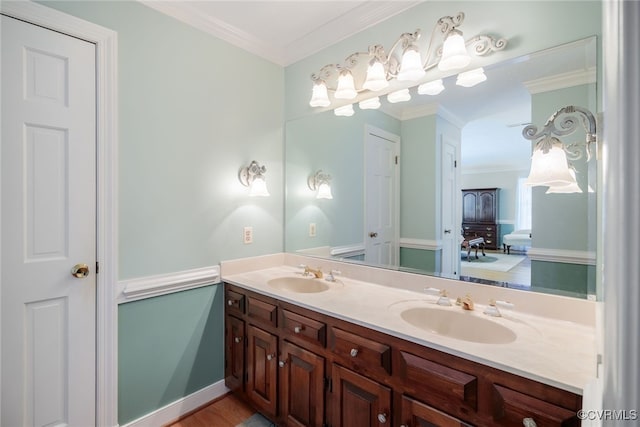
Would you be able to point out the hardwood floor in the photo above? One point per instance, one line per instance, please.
(228, 411)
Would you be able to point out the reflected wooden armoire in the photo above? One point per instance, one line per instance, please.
(480, 215)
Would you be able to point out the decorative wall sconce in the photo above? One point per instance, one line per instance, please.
(403, 63)
(550, 160)
(252, 176)
(320, 182)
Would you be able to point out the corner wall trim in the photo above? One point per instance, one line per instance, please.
(173, 411)
(153, 286)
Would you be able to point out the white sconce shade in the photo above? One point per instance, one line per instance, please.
(411, 65)
(569, 188)
(549, 169)
(401, 95)
(319, 97)
(376, 77)
(252, 176)
(471, 78)
(324, 191)
(346, 88)
(320, 182)
(344, 111)
(259, 187)
(431, 88)
(454, 52)
(370, 104)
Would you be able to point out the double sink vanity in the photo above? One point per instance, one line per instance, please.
(369, 347)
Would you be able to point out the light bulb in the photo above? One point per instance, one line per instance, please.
(401, 95)
(431, 88)
(370, 104)
(346, 111)
(471, 78)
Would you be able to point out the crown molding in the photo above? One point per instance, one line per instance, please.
(561, 81)
(361, 17)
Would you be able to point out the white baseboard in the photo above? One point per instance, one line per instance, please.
(180, 407)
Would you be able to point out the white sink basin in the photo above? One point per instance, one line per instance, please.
(460, 325)
(299, 284)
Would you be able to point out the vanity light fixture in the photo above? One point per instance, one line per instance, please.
(471, 78)
(252, 176)
(550, 160)
(321, 183)
(407, 61)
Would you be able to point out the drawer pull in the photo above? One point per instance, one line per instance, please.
(528, 422)
(282, 363)
(270, 356)
(353, 352)
(237, 340)
(230, 302)
(382, 418)
(298, 329)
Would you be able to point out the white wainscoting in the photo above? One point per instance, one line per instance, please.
(562, 255)
(424, 244)
(173, 411)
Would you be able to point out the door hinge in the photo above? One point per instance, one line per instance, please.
(97, 267)
(455, 163)
(396, 160)
(328, 384)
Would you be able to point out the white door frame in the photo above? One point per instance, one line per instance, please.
(106, 42)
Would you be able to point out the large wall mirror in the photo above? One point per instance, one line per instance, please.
(398, 175)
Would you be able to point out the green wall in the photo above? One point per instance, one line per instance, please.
(192, 110)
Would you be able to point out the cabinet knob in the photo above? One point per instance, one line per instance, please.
(353, 352)
(230, 302)
(297, 329)
(237, 340)
(382, 418)
(282, 363)
(528, 422)
(270, 356)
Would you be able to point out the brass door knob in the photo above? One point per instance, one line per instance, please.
(80, 271)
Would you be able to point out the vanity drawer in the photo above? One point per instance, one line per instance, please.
(304, 327)
(261, 310)
(360, 353)
(438, 385)
(235, 301)
(511, 407)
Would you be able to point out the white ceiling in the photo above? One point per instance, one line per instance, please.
(282, 32)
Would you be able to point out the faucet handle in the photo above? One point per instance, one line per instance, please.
(441, 293)
(331, 277)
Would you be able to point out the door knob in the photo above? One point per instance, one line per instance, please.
(80, 271)
(373, 235)
(447, 231)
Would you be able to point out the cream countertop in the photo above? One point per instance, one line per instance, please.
(558, 351)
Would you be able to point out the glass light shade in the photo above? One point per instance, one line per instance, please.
(431, 88)
(454, 52)
(411, 65)
(471, 78)
(569, 188)
(376, 77)
(401, 95)
(370, 104)
(324, 191)
(346, 88)
(346, 111)
(319, 96)
(550, 169)
(258, 187)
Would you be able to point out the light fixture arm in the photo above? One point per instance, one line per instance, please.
(564, 122)
(318, 178)
(248, 174)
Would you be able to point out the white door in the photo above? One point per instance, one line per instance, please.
(450, 222)
(48, 196)
(381, 200)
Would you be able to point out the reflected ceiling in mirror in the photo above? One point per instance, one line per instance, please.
(489, 119)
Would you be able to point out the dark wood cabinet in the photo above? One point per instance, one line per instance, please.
(480, 215)
(300, 368)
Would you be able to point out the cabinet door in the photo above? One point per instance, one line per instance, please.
(417, 414)
(486, 206)
(234, 353)
(301, 386)
(469, 201)
(262, 369)
(359, 401)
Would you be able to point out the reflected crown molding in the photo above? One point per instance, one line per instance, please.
(425, 110)
(561, 81)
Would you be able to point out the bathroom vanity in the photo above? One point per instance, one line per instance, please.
(305, 351)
